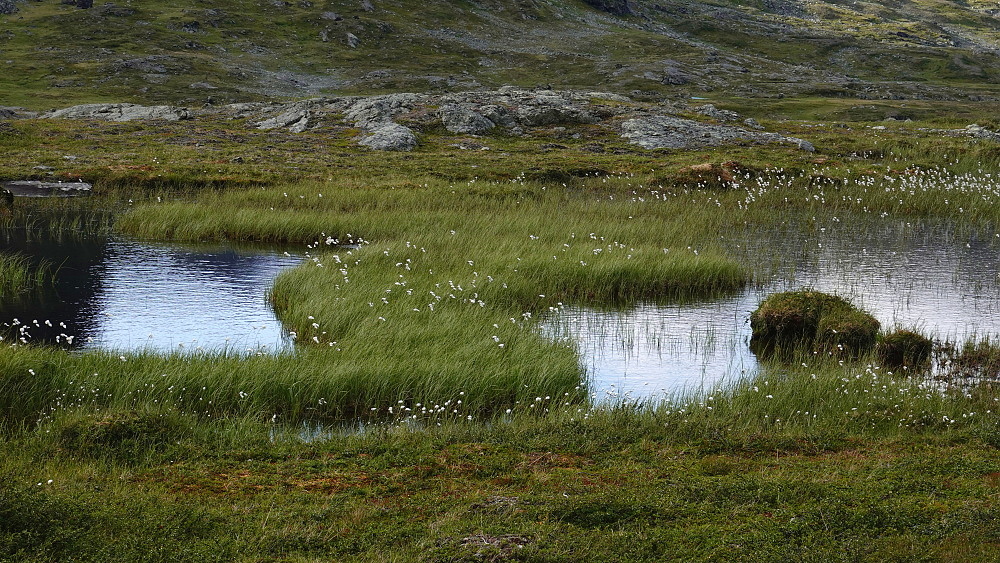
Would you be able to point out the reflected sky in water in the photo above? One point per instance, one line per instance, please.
(163, 297)
(913, 276)
(127, 295)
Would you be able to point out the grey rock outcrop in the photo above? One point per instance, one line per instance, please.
(459, 119)
(296, 119)
(616, 7)
(7, 7)
(353, 41)
(37, 188)
(979, 132)
(710, 110)
(384, 119)
(665, 132)
(11, 112)
(545, 109)
(369, 113)
(120, 112)
(390, 137)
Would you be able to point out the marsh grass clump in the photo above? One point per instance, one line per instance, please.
(122, 434)
(797, 320)
(976, 358)
(715, 176)
(18, 274)
(904, 349)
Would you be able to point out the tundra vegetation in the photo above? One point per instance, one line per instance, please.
(422, 416)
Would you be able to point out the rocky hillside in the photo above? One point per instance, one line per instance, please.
(54, 53)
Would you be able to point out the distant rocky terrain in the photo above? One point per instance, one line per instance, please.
(390, 122)
(55, 53)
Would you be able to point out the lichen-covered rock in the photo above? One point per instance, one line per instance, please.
(11, 112)
(616, 7)
(710, 110)
(296, 118)
(667, 132)
(390, 137)
(460, 119)
(543, 109)
(121, 112)
(373, 112)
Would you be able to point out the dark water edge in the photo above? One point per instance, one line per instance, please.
(120, 294)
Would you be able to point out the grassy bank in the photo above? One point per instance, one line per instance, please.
(878, 468)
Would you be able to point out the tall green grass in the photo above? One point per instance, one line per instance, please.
(19, 274)
(442, 290)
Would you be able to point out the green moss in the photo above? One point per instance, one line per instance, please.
(810, 320)
(904, 349)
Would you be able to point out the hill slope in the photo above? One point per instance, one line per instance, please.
(54, 53)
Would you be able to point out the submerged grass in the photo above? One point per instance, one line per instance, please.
(18, 274)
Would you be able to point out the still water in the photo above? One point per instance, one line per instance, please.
(126, 295)
(918, 276)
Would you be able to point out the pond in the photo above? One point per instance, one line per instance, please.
(932, 278)
(119, 294)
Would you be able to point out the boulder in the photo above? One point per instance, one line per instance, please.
(459, 119)
(11, 112)
(710, 110)
(498, 115)
(112, 10)
(373, 112)
(666, 132)
(7, 7)
(551, 110)
(120, 112)
(353, 41)
(37, 188)
(291, 118)
(390, 137)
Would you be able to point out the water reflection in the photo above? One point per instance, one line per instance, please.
(127, 295)
(929, 277)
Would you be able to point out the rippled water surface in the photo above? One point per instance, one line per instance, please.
(127, 295)
(914, 276)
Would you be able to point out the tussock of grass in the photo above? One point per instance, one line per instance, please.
(19, 274)
(806, 319)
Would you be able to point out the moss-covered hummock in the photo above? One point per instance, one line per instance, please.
(811, 320)
(904, 348)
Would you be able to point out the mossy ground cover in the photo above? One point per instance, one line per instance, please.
(157, 457)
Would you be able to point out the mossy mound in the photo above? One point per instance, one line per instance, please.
(904, 348)
(125, 436)
(811, 320)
